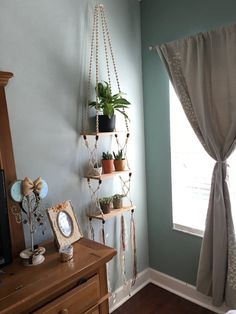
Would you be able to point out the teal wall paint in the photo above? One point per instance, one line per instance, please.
(170, 251)
(46, 44)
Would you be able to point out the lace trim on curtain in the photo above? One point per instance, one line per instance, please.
(184, 96)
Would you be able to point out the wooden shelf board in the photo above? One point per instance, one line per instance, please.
(113, 213)
(101, 133)
(108, 175)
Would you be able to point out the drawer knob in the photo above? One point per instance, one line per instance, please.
(64, 311)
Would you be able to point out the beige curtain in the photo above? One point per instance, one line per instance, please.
(202, 69)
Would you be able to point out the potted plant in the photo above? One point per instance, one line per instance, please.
(107, 162)
(95, 170)
(119, 161)
(108, 104)
(117, 201)
(105, 204)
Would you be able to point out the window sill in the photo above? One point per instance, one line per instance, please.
(188, 230)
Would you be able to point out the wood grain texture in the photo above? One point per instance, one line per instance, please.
(155, 300)
(8, 164)
(25, 289)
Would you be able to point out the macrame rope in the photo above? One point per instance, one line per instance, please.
(134, 249)
(125, 185)
(99, 15)
(85, 114)
(91, 234)
(124, 147)
(92, 152)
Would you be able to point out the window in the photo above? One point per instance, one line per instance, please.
(191, 171)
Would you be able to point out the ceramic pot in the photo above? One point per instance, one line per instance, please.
(106, 208)
(119, 164)
(107, 165)
(106, 124)
(117, 203)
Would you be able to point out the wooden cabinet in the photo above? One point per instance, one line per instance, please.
(77, 286)
(7, 164)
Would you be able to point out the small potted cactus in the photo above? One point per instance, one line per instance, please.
(107, 162)
(119, 161)
(117, 201)
(105, 204)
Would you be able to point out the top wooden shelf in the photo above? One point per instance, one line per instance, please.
(109, 175)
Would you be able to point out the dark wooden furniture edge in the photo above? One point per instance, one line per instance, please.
(8, 164)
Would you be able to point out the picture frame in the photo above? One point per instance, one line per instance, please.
(64, 224)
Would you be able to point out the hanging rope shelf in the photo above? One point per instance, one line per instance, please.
(92, 145)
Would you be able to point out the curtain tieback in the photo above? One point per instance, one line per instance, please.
(223, 163)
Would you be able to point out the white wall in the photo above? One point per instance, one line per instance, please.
(45, 44)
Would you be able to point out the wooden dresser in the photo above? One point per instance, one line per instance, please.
(77, 286)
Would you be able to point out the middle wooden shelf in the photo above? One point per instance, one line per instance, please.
(113, 213)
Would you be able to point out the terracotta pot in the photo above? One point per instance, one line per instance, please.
(120, 164)
(117, 203)
(106, 208)
(107, 165)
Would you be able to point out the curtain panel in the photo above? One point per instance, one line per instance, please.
(202, 69)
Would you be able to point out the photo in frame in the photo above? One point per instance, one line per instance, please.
(64, 224)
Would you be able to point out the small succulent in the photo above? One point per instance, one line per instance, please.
(118, 196)
(119, 155)
(107, 156)
(105, 200)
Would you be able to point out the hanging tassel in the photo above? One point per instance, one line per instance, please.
(103, 240)
(123, 246)
(91, 234)
(124, 239)
(133, 245)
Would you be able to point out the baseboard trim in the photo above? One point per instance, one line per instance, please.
(168, 283)
(121, 295)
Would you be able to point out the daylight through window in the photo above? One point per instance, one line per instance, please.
(191, 170)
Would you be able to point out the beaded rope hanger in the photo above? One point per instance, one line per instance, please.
(99, 16)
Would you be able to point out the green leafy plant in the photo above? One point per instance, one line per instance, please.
(107, 156)
(108, 103)
(119, 155)
(105, 200)
(118, 196)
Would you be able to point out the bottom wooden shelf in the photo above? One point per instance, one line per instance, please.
(113, 213)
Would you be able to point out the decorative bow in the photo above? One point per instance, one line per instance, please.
(29, 186)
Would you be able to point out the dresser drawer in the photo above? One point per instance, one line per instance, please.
(76, 301)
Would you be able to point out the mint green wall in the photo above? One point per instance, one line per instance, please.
(171, 252)
(46, 44)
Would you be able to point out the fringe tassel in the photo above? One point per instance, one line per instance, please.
(91, 234)
(134, 249)
(123, 246)
(103, 233)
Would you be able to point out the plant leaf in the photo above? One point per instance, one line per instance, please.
(92, 104)
(121, 101)
(124, 114)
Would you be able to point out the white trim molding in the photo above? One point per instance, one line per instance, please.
(123, 294)
(168, 283)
